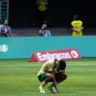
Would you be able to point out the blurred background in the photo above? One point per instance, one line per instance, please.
(25, 18)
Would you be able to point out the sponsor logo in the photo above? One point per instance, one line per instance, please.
(3, 48)
(73, 54)
(65, 54)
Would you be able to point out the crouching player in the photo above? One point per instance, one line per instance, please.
(52, 71)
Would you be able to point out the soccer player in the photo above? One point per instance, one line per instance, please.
(77, 26)
(52, 71)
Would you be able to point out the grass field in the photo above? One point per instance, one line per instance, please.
(18, 78)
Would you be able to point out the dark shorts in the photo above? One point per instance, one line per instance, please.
(42, 76)
(59, 77)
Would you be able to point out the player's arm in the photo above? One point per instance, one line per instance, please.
(54, 80)
(55, 84)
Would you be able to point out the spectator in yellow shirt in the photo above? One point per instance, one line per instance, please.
(42, 5)
(77, 26)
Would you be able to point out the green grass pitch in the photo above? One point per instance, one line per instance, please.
(18, 78)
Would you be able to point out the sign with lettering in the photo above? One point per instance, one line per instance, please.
(68, 54)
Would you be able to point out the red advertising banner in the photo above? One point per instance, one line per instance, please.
(68, 54)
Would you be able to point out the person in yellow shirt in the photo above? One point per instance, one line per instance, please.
(42, 5)
(77, 27)
(52, 71)
(41, 11)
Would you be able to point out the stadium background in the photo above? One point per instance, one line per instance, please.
(23, 16)
(18, 77)
(60, 14)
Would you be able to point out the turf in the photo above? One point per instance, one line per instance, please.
(18, 78)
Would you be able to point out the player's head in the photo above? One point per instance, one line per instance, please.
(60, 64)
(76, 17)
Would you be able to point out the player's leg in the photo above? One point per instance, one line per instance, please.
(59, 78)
(45, 78)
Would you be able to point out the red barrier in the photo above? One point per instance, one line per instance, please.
(68, 54)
